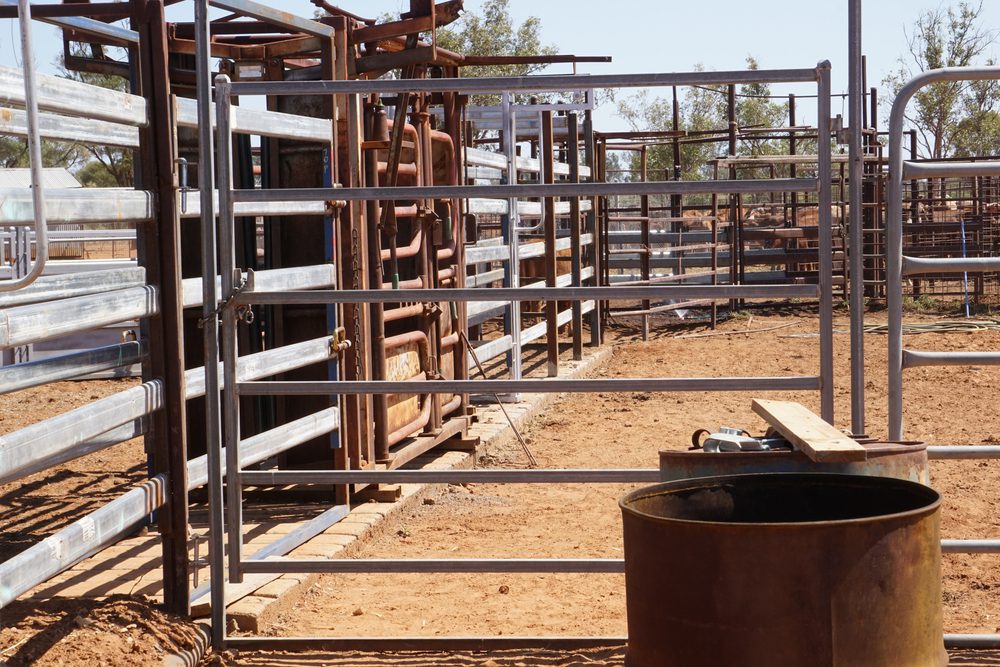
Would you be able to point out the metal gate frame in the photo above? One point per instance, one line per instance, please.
(899, 266)
(234, 296)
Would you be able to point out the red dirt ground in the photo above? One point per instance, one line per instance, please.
(945, 406)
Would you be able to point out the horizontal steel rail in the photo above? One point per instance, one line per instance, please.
(602, 189)
(70, 366)
(270, 443)
(64, 286)
(14, 122)
(292, 278)
(917, 358)
(265, 364)
(621, 292)
(546, 386)
(80, 539)
(525, 209)
(914, 266)
(115, 436)
(524, 84)
(56, 437)
(536, 331)
(22, 325)
(477, 476)
(114, 419)
(438, 565)
(477, 156)
(74, 98)
(408, 644)
(261, 122)
(915, 170)
(965, 641)
(77, 205)
(970, 546)
(943, 452)
(190, 207)
(477, 308)
(483, 644)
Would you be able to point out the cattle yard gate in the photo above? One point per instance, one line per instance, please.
(324, 258)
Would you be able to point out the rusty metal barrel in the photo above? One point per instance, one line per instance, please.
(902, 460)
(783, 570)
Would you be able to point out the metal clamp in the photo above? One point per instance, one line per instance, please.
(243, 312)
(183, 179)
(340, 342)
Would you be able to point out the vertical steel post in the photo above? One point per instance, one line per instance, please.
(644, 240)
(34, 157)
(715, 246)
(734, 209)
(676, 201)
(576, 250)
(227, 262)
(513, 242)
(160, 253)
(210, 321)
(856, 95)
(825, 242)
(547, 163)
(592, 226)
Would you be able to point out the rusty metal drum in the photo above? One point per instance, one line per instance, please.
(902, 460)
(783, 570)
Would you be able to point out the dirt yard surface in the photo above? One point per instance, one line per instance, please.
(36, 506)
(945, 406)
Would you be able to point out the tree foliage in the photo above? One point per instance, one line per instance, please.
(93, 165)
(493, 32)
(954, 117)
(101, 166)
(704, 109)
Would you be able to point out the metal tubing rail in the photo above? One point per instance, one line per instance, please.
(533, 294)
(917, 358)
(920, 170)
(387, 193)
(478, 476)
(22, 325)
(540, 386)
(525, 84)
(970, 546)
(482, 644)
(915, 266)
(437, 565)
(52, 288)
(894, 222)
(210, 340)
(942, 452)
(84, 537)
(856, 99)
(34, 158)
(400, 644)
(70, 366)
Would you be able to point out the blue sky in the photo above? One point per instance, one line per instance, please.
(670, 35)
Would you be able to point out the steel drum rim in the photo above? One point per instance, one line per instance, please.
(700, 482)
